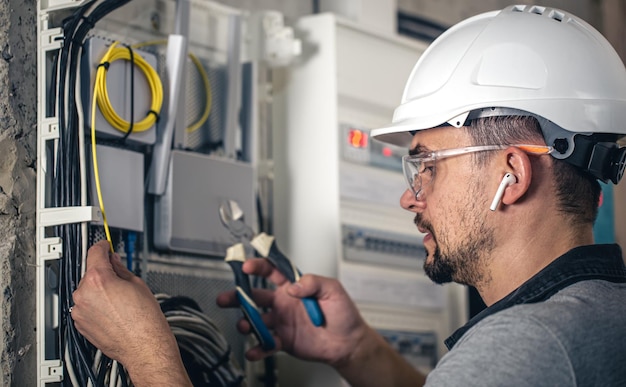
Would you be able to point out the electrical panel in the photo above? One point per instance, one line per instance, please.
(147, 122)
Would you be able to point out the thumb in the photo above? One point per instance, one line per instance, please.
(98, 256)
(308, 286)
(119, 268)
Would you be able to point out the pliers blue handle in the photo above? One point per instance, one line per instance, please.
(265, 246)
(235, 257)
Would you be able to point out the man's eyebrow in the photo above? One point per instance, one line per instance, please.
(417, 149)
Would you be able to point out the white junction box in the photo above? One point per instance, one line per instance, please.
(121, 174)
(187, 215)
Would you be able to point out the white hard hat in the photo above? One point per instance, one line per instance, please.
(540, 61)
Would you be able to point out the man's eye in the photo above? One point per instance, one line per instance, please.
(427, 168)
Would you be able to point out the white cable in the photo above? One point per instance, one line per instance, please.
(113, 374)
(197, 334)
(70, 368)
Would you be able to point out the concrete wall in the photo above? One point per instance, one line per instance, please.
(18, 148)
(18, 116)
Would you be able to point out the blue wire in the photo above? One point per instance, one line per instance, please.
(129, 248)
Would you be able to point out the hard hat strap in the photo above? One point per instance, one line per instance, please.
(605, 160)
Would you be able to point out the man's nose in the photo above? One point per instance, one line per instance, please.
(409, 202)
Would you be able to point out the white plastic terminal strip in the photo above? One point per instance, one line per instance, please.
(51, 371)
(65, 215)
(51, 248)
(49, 129)
(55, 5)
(51, 39)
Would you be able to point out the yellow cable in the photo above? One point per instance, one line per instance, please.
(207, 89)
(205, 82)
(154, 82)
(94, 158)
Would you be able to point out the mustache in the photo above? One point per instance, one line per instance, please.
(421, 223)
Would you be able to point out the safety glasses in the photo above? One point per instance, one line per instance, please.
(419, 170)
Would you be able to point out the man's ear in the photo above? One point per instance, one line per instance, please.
(519, 168)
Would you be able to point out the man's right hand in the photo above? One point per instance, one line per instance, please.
(117, 312)
(332, 343)
(345, 341)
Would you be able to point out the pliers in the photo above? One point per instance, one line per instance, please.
(264, 245)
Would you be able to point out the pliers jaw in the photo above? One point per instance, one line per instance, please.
(232, 218)
(265, 246)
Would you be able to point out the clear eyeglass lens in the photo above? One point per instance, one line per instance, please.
(418, 173)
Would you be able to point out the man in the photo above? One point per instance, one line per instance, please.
(510, 118)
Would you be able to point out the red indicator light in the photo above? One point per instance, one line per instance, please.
(387, 152)
(357, 138)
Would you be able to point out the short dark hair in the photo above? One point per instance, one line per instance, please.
(577, 191)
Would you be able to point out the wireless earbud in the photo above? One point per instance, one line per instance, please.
(507, 180)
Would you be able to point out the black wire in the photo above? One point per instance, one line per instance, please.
(122, 372)
(52, 92)
(81, 351)
(316, 6)
(105, 366)
(132, 95)
(66, 180)
(82, 357)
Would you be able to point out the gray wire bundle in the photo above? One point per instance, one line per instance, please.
(205, 351)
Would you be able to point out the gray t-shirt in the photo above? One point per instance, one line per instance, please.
(575, 338)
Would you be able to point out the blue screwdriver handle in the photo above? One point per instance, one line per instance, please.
(265, 245)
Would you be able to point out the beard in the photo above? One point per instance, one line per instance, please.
(463, 262)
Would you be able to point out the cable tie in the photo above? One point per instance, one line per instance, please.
(105, 65)
(88, 21)
(132, 93)
(155, 114)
